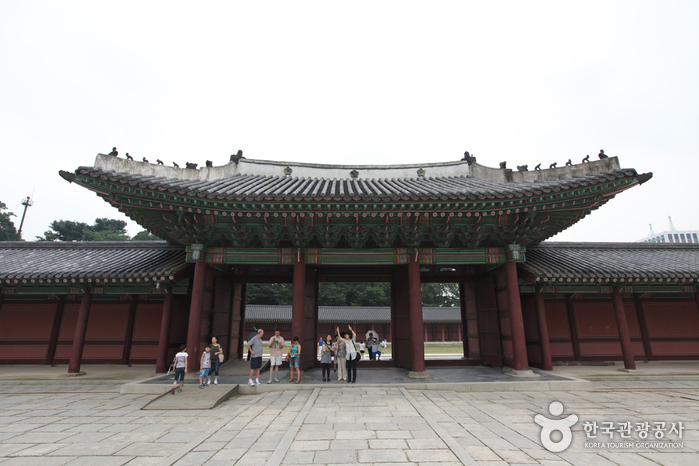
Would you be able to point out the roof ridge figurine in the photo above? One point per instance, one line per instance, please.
(114, 152)
(469, 158)
(602, 155)
(235, 158)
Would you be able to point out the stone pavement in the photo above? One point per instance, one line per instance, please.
(95, 424)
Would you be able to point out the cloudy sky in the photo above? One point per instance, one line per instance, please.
(353, 82)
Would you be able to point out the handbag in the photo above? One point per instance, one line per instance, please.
(287, 357)
(221, 357)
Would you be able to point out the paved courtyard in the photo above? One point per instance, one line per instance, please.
(95, 424)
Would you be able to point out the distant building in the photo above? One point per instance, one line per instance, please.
(671, 236)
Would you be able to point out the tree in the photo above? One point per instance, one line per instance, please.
(104, 229)
(272, 294)
(440, 294)
(145, 235)
(8, 232)
(353, 294)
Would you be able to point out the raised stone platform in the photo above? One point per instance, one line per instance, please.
(460, 379)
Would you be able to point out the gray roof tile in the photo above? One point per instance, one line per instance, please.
(613, 260)
(347, 314)
(266, 187)
(119, 259)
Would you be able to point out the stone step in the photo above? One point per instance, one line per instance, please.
(193, 397)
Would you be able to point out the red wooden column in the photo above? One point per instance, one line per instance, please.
(237, 332)
(80, 331)
(546, 362)
(55, 329)
(194, 328)
(519, 345)
(416, 324)
(643, 326)
(573, 326)
(464, 321)
(125, 358)
(161, 363)
(298, 304)
(623, 327)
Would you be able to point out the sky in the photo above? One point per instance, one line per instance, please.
(352, 83)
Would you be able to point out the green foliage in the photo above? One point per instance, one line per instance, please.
(353, 294)
(109, 224)
(145, 235)
(440, 294)
(274, 294)
(104, 229)
(8, 232)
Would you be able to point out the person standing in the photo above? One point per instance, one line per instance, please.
(361, 349)
(255, 348)
(341, 358)
(251, 335)
(320, 345)
(295, 360)
(375, 353)
(216, 356)
(352, 354)
(204, 367)
(276, 346)
(326, 357)
(180, 363)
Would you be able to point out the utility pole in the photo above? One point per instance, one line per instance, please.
(26, 203)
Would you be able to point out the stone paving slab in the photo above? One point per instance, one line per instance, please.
(340, 424)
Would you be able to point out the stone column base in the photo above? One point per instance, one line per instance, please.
(419, 375)
(519, 373)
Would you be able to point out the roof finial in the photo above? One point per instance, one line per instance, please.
(672, 226)
(651, 228)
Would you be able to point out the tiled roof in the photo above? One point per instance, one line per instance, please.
(278, 188)
(65, 260)
(645, 262)
(347, 314)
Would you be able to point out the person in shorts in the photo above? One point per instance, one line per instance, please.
(276, 346)
(295, 360)
(204, 367)
(255, 347)
(361, 349)
(180, 363)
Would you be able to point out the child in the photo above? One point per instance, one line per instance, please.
(361, 349)
(180, 363)
(205, 366)
(295, 360)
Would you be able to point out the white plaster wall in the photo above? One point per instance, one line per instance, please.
(307, 170)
